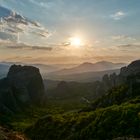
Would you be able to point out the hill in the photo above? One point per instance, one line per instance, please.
(3, 70)
(90, 67)
(82, 77)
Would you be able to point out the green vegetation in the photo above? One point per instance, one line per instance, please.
(56, 120)
(116, 95)
(115, 114)
(22, 120)
(105, 123)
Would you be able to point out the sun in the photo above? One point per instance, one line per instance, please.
(75, 41)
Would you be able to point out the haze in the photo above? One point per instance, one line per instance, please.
(69, 31)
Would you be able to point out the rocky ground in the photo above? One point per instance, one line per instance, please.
(6, 134)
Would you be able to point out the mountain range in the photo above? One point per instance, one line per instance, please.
(86, 72)
(57, 72)
(44, 69)
(90, 67)
(82, 77)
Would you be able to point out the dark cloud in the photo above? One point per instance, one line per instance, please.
(41, 33)
(28, 47)
(41, 48)
(129, 46)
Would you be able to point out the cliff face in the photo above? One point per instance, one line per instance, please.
(22, 86)
(122, 87)
(27, 81)
(113, 80)
(132, 68)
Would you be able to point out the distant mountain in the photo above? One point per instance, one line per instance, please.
(84, 72)
(44, 69)
(90, 67)
(3, 69)
(82, 77)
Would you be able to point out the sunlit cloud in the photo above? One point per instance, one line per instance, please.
(118, 15)
(13, 25)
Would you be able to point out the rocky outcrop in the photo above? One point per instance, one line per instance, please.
(120, 88)
(132, 68)
(129, 75)
(22, 86)
(27, 81)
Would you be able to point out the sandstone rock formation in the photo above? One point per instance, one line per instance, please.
(22, 86)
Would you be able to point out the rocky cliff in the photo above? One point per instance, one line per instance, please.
(132, 68)
(109, 81)
(22, 86)
(120, 88)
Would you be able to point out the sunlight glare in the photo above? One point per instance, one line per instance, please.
(75, 41)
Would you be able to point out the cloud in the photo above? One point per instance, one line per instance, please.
(4, 36)
(130, 46)
(4, 41)
(123, 37)
(27, 47)
(118, 15)
(48, 4)
(12, 23)
(42, 32)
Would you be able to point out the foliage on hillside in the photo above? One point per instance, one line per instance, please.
(115, 114)
(105, 123)
(111, 110)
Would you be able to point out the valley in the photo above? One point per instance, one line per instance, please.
(73, 106)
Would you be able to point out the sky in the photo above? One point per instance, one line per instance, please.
(49, 30)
